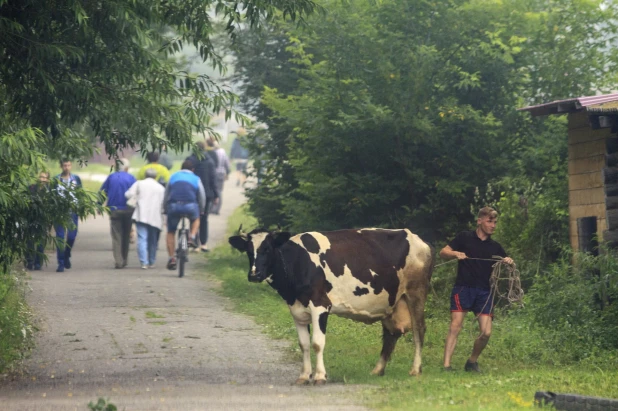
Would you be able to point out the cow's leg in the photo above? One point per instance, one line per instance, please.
(304, 340)
(417, 305)
(319, 318)
(389, 340)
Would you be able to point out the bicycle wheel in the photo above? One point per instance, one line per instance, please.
(181, 253)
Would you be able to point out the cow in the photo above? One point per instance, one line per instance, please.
(366, 275)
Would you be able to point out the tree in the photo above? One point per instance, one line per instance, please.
(402, 109)
(76, 71)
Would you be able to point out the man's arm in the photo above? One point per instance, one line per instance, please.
(448, 254)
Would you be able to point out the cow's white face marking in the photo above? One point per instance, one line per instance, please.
(257, 240)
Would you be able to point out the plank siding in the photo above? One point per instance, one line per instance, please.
(587, 197)
(586, 135)
(586, 165)
(584, 181)
(578, 119)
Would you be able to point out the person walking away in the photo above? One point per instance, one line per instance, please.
(472, 288)
(36, 246)
(184, 196)
(148, 195)
(163, 174)
(165, 159)
(205, 170)
(241, 155)
(66, 236)
(222, 172)
(114, 187)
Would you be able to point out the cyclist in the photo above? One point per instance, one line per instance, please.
(184, 197)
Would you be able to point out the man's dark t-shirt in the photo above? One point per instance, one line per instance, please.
(475, 273)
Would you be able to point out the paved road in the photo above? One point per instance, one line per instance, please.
(150, 341)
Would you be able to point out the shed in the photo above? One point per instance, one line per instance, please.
(593, 165)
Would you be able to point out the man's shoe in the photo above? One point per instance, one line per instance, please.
(171, 264)
(60, 269)
(204, 249)
(192, 242)
(472, 367)
(67, 263)
(144, 267)
(448, 369)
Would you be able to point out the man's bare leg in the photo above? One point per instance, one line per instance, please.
(481, 341)
(170, 240)
(195, 227)
(457, 319)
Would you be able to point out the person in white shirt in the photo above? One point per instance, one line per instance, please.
(148, 196)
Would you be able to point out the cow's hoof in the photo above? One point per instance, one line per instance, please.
(378, 372)
(302, 381)
(319, 382)
(415, 373)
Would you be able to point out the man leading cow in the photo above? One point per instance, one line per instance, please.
(477, 253)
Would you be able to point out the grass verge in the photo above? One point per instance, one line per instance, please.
(516, 363)
(15, 321)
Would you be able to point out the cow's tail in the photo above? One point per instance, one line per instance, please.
(430, 263)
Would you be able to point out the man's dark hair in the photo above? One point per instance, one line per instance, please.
(152, 157)
(210, 142)
(201, 145)
(64, 160)
(188, 165)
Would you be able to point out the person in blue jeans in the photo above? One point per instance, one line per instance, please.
(477, 253)
(66, 235)
(184, 196)
(148, 216)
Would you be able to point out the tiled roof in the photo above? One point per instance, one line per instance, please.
(603, 103)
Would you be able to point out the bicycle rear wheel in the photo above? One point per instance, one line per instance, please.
(181, 253)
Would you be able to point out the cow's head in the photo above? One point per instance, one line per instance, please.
(260, 246)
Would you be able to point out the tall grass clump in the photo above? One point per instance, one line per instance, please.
(15, 320)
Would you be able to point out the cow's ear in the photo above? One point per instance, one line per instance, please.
(281, 238)
(238, 243)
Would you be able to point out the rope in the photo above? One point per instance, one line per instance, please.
(514, 294)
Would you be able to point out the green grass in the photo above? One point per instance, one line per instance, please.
(516, 362)
(150, 314)
(15, 321)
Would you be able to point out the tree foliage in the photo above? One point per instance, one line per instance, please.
(73, 72)
(402, 109)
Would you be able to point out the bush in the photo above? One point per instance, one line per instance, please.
(15, 321)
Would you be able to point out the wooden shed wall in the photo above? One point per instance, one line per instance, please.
(587, 149)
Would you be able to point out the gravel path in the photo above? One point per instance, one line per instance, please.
(151, 341)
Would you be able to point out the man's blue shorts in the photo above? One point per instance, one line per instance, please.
(477, 300)
(177, 210)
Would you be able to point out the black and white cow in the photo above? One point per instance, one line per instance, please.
(366, 275)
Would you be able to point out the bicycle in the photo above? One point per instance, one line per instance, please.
(182, 249)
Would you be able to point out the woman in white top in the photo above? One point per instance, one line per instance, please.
(148, 196)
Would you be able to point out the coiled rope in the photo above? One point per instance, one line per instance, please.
(502, 273)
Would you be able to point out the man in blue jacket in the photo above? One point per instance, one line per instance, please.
(66, 235)
(114, 187)
(184, 196)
